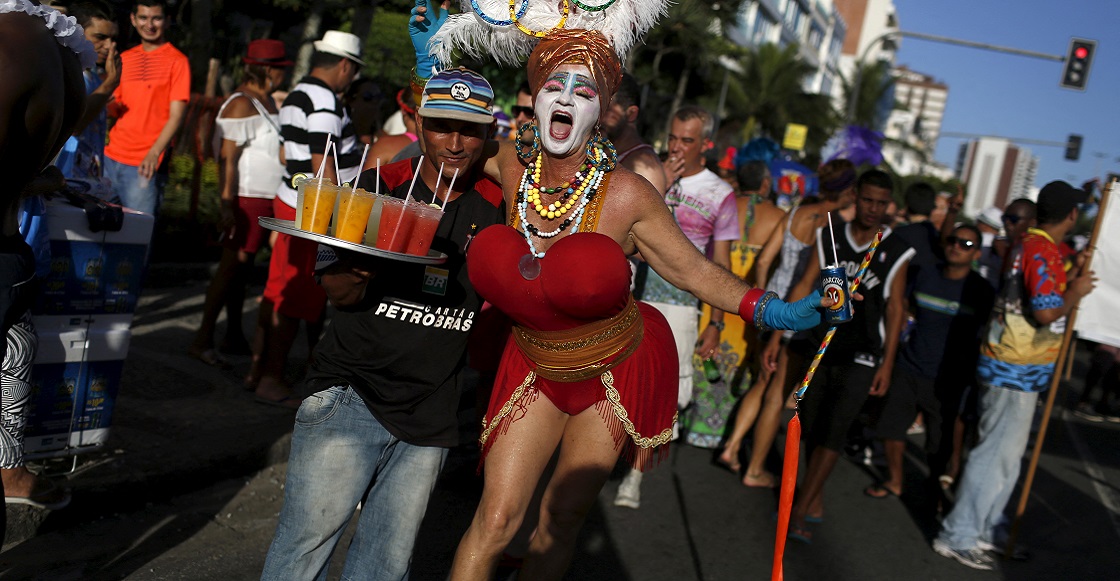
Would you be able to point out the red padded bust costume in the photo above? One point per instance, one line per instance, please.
(584, 277)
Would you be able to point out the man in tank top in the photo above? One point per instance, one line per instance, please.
(860, 359)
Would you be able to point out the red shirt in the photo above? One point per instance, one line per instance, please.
(150, 82)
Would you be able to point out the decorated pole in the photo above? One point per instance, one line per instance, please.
(793, 432)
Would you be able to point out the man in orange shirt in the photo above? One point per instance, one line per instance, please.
(149, 105)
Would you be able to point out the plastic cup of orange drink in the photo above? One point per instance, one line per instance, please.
(423, 228)
(317, 198)
(354, 207)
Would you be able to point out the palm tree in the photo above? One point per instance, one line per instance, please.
(772, 77)
(874, 98)
(771, 95)
(689, 40)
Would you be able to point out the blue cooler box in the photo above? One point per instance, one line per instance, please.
(83, 318)
(74, 384)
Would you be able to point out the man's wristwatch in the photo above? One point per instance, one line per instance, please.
(719, 325)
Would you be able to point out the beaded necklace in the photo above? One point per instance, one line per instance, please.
(574, 207)
(590, 8)
(570, 191)
(565, 10)
(495, 22)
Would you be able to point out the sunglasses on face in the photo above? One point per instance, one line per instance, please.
(1012, 219)
(962, 243)
(522, 110)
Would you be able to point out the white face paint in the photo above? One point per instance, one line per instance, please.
(567, 108)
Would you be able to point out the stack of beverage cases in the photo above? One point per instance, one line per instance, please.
(368, 218)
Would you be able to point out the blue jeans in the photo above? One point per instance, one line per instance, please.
(992, 469)
(135, 192)
(341, 455)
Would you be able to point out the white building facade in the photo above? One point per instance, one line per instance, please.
(997, 172)
(868, 21)
(914, 124)
(814, 25)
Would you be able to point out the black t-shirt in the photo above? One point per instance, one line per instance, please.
(948, 316)
(403, 346)
(924, 238)
(861, 339)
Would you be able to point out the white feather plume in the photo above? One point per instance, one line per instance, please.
(624, 24)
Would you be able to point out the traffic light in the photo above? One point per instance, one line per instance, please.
(1075, 73)
(1073, 147)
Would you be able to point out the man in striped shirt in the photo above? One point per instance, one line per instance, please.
(311, 113)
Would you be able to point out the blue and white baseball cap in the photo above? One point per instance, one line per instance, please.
(458, 94)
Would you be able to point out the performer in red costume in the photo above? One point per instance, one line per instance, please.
(589, 371)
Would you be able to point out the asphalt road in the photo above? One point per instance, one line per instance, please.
(696, 521)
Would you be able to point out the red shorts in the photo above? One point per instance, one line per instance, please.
(291, 286)
(248, 235)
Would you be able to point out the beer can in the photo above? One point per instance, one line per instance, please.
(835, 283)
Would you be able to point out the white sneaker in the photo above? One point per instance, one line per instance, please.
(630, 491)
(975, 558)
(1019, 553)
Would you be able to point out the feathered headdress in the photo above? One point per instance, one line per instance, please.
(507, 30)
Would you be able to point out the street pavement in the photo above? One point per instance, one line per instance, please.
(191, 481)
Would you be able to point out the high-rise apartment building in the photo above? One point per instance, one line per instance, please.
(914, 123)
(997, 172)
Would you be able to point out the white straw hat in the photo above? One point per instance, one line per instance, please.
(991, 216)
(342, 44)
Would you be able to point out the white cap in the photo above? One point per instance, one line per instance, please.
(991, 216)
(342, 44)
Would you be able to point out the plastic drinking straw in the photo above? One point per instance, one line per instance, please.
(793, 430)
(832, 237)
(435, 192)
(326, 152)
(377, 188)
(407, 197)
(449, 189)
(337, 176)
(361, 164)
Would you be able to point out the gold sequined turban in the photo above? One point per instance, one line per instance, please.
(577, 47)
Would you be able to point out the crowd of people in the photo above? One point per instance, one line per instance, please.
(612, 299)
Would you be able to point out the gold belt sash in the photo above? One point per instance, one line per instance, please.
(583, 352)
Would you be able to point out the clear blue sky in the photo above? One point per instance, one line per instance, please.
(1001, 94)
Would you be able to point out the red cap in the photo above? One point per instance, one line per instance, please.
(267, 52)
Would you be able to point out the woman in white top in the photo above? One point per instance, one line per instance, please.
(248, 131)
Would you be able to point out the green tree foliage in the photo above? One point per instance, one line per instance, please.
(388, 50)
(678, 63)
(773, 95)
(874, 99)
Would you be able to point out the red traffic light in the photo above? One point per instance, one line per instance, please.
(1075, 71)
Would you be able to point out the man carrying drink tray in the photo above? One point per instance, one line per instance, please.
(388, 372)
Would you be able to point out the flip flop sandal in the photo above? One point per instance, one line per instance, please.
(802, 534)
(210, 357)
(879, 492)
(53, 498)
